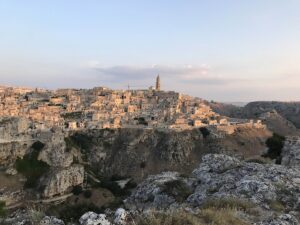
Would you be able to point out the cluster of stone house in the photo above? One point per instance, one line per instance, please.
(106, 108)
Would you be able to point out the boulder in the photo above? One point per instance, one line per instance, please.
(121, 217)
(159, 191)
(91, 218)
(59, 180)
(50, 220)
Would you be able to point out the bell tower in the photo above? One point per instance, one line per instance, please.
(157, 86)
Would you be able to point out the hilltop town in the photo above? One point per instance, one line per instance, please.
(79, 152)
(100, 108)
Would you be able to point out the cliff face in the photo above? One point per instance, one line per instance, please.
(58, 181)
(139, 152)
(126, 152)
(14, 139)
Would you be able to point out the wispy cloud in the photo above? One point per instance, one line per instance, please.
(202, 74)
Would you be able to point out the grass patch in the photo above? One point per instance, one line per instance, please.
(228, 203)
(161, 218)
(277, 206)
(180, 217)
(259, 160)
(221, 217)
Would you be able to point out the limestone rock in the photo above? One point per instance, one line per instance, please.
(285, 219)
(54, 152)
(155, 193)
(258, 183)
(291, 152)
(50, 220)
(221, 176)
(11, 171)
(59, 180)
(121, 217)
(91, 218)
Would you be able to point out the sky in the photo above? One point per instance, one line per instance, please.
(223, 50)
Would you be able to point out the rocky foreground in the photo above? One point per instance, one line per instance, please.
(222, 190)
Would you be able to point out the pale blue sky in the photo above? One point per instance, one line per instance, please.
(228, 50)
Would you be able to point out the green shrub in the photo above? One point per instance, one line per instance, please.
(84, 142)
(143, 165)
(87, 194)
(177, 189)
(31, 167)
(130, 185)
(77, 190)
(204, 131)
(70, 143)
(3, 211)
(275, 145)
(113, 187)
(72, 213)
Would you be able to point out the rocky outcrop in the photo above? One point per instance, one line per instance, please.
(291, 152)
(91, 218)
(121, 217)
(50, 220)
(159, 192)
(261, 184)
(284, 219)
(142, 152)
(15, 139)
(55, 152)
(30, 217)
(222, 177)
(13, 128)
(59, 180)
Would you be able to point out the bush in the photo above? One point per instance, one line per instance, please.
(204, 131)
(87, 194)
(83, 141)
(177, 189)
(31, 167)
(3, 211)
(143, 165)
(77, 190)
(275, 145)
(130, 185)
(72, 213)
